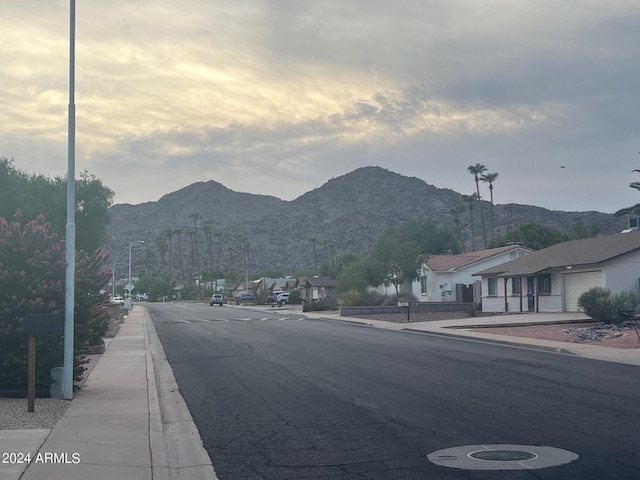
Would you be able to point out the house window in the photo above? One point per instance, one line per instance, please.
(493, 286)
(516, 286)
(423, 283)
(544, 283)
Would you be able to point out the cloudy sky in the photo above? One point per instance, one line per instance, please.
(278, 96)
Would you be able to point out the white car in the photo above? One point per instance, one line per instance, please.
(282, 298)
(117, 299)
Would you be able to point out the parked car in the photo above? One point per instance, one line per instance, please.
(142, 297)
(244, 298)
(216, 298)
(117, 299)
(282, 298)
(271, 298)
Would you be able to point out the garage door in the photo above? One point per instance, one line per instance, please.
(575, 284)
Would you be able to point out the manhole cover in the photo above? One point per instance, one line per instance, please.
(502, 457)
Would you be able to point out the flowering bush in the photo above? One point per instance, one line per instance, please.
(32, 273)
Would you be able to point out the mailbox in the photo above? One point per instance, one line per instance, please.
(43, 323)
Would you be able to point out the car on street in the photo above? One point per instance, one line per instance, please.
(216, 298)
(117, 300)
(244, 298)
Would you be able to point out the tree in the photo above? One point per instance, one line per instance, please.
(471, 199)
(196, 217)
(400, 257)
(358, 275)
(208, 230)
(490, 178)
(477, 170)
(32, 272)
(37, 195)
(429, 238)
(634, 209)
(332, 267)
(532, 235)
(313, 241)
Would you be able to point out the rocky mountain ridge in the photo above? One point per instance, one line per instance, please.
(347, 213)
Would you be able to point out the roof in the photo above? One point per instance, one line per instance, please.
(447, 263)
(321, 282)
(586, 251)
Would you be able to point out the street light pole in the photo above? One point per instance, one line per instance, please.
(129, 285)
(70, 240)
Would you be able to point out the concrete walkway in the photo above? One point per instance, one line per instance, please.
(131, 422)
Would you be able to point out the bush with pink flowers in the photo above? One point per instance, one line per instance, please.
(32, 280)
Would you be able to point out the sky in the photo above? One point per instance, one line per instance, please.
(277, 97)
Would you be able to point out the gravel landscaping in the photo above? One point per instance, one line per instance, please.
(14, 414)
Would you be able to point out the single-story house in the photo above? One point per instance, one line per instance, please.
(449, 278)
(552, 279)
(317, 288)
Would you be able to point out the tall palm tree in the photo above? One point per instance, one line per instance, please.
(490, 178)
(168, 234)
(471, 199)
(219, 236)
(634, 209)
(208, 230)
(477, 170)
(196, 217)
(313, 241)
(178, 232)
(456, 212)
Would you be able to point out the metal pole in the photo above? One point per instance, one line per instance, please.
(128, 302)
(70, 243)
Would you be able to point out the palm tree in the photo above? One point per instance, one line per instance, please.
(490, 178)
(208, 230)
(471, 199)
(178, 232)
(477, 170)
(196, 217)
(633, 210)
(168, 234)
(219, 236)
(313, 241)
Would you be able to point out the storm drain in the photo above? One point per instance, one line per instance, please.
(502, 457)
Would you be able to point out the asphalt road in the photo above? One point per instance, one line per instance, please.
(279, 397)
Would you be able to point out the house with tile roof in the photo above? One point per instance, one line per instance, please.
(450, 278)
(552, 279)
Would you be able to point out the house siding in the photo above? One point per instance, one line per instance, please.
(623, 274)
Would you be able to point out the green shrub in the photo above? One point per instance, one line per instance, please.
(600, 304)
(371, 298)
(392, 300)
(320, 305)
(472, 310)
(349, 298)
(295, 298)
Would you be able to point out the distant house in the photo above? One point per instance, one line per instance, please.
(552, 279)
(317, 288)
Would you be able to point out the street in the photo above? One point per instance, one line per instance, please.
(280, 396)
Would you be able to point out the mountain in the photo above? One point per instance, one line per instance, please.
(348, 213)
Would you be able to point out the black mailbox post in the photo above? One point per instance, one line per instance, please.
(38, 324)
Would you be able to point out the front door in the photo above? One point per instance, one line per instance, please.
(531, 301)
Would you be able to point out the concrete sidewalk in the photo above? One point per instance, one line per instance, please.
(129, 421)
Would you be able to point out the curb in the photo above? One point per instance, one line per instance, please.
(176, 445)
(501, 341)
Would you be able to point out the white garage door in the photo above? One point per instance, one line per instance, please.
(575, 284)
